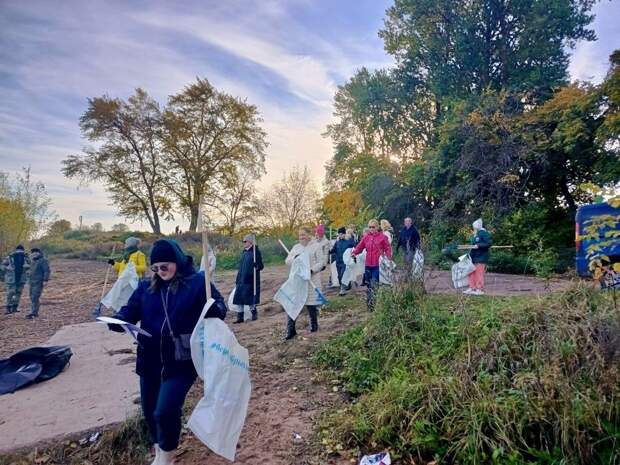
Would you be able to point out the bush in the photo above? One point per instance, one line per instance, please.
(482, 381)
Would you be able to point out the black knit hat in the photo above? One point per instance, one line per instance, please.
(19, 247)
(163, 252)
(342, 230)
(35, 249)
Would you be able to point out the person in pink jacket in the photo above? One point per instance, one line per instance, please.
(376, 244)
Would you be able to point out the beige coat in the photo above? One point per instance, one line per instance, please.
(318, 261)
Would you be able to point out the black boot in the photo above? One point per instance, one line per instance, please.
(8, 310)
(314, 318)
(254, 313)
(239, 318)
(290, 329)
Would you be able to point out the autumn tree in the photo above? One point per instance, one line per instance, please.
(230, 206)
(289, 203)
(58, 228)
(128, 158)
(341, 208)
(207, 134)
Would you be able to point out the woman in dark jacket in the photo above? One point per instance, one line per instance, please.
(168, 308)
(245, 294)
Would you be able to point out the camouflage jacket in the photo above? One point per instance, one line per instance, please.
(8, 269)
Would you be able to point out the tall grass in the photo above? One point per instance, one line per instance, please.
(482, 381)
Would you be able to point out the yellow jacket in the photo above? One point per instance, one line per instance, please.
(138, 259)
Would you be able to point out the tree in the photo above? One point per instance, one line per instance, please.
(128, 159)
(206, 135)
(24, 209)
(232, 202)
(290, 202)
(97, 227)
(342, 207)
(58, 228)
(120, 227)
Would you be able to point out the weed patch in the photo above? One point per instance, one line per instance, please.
(477, 381)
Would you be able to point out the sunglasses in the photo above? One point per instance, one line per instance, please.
(157, 269)
(372, 227)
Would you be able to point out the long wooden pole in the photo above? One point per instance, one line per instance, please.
(205, 250)
(254, 268)
(107, 274)
(469, 247)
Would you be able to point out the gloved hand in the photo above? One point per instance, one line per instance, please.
(354, 258)
(111, 261)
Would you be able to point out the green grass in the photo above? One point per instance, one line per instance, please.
(481, 381)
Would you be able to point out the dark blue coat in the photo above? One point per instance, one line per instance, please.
(244, 284)
(340, 247)
(156, 353)
(408, 238)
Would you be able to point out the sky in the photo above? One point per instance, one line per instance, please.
(285, 56)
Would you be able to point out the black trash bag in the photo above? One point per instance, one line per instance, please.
(32, 366)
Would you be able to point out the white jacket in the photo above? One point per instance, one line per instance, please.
(318, 261)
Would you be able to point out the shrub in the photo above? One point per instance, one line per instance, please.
(482, 381)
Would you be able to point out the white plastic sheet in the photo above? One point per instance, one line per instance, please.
(246, 309)
(333, 272)
(294, 292)
(220, 415)
(122, 289)
(461, 269)
(377, 459)
(386, 270)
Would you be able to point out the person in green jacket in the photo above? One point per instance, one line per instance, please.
(481, 242)
(14, 272)
(39, 276)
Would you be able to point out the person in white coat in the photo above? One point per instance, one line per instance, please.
(318, 263)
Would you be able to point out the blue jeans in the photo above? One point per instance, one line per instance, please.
(162, 406)
(371, 277)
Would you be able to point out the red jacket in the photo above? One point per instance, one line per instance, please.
(376, 244)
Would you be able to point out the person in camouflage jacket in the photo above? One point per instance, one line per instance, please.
(14, 273)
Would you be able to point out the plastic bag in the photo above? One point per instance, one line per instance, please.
(354, 269)
(122, 289)
(417, 267)
(220, 415)
(333, 274)
(386, 270)
(461, 269)
(293, 294)
(246, 309)
(377, 459)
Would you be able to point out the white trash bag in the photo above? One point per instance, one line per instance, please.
(293, 294)
(224, 366)
(122, 289)
(461, 270)
(417, 267)
(333, 273)
(246, 309)
(386, 270)
(354, 269)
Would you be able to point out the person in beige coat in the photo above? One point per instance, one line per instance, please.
(318, 263)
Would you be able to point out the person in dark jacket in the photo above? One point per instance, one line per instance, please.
(14, 272)
(409, 240)
(168, 307)
(251, 262)
(39, 275)
(481, 242)
(341, 245)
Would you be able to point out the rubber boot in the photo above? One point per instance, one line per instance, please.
(254, 313)
(239, 318)
(290, 329)
(314, 318)
(343, 290)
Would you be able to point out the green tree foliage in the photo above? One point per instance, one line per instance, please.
(58, 228)
(24, 209)
(128, 158)
(207, 135)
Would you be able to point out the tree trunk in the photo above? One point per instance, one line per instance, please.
(193, 220)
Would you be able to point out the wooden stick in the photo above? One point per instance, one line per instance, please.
(254, 269)
(205, 250)
(283, 246)
(107, 274)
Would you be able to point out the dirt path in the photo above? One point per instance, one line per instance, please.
(286, 398)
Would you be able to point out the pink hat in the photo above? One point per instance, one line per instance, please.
(320, 230)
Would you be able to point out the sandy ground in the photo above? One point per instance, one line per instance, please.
(287, 398)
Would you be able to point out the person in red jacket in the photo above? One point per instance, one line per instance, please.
(376, 244)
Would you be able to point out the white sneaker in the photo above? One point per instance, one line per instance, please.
(157, 454)
(166, 457)
(469, 291)
(478, 292)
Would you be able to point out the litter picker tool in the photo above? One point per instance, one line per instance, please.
(97, 309)
(470, 247)
(254, 268)
(319, 295)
